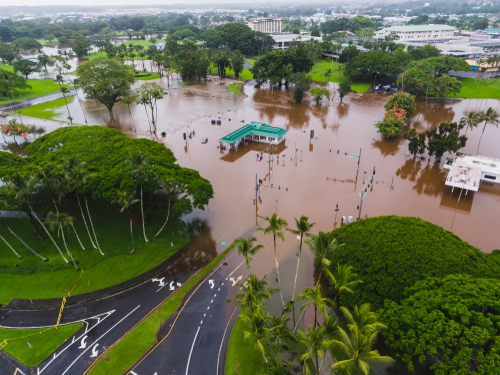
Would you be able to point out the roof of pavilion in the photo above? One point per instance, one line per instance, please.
(258, 128)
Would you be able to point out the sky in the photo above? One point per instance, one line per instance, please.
(125, 2)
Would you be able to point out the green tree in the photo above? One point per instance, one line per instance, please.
(313, 298)
(81, 46)
(303, 228)
(25, 67)
(257, 330)
(446, 137)
(26, 44)
(445, 85)
(454, 319)
(127, 201)
(49, 37)
(253, 293)
(319, 93)
(44, 61)
(237, 61)
(130, 99)
(301, 84)
(246, 248)
(62, 222)
(470, 121)
(105, 80)
(9, 82)
(275, 227)
(344, 87)
(416, 144)
(139, 162)
(148, 95)
(402, 100)
(344, 280)
(489, 117)
(363, 319)
(371, 64)
(314, 342)
(327, 74)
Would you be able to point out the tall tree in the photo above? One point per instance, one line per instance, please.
(62, 222)
(303, 228)
(127, 201)
(246, 248)
(148, 95)
(314, 342)
(489, 117)
(275, 227)
(253, 293)
(313, 298)
(257, 331)
(344, 279)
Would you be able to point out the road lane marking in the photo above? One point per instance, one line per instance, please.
(104, 334)
(231, 274)
(224, 335)
(191, 352)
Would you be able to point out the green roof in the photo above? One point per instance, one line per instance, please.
(258, 128)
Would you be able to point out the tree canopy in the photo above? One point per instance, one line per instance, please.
(391, 253)
(10, 81)
(370, 63)
(454, 319)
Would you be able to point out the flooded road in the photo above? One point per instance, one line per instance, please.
(317, 179)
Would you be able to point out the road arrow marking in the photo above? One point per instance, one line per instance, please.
(172, 287)
(235, 281)
(211, 282)
(84, 344)
(133, 373)
(160, 280)
(94, 351)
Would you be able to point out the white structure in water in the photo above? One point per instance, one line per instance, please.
(466, 171)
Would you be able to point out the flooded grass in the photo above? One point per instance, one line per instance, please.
(54, 110)
(39, 87)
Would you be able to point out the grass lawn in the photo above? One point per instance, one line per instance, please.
(33, 278)
(7, 67)
(149, 78)
(479, 90)
(323, 65)
(39, 87)
(121, 356)
(243, 358)
(48, 111)
(44, 342)
(250, 61)
(244, 75)
(145, 43)
(235, 88)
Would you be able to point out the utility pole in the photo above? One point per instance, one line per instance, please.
(259, 183)
(364, 192)
(350, 155)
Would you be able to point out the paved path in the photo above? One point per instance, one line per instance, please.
(36, 100)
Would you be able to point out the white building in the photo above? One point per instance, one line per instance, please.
(466, 171)
(418, 33)
(266, 25)
(283, 41)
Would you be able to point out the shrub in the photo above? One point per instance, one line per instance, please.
(402, 100)
(391, 253)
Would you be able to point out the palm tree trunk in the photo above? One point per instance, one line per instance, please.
(76, 234)
(29, 248)
(130, 113)
(299, 320)
(317, 363)
(46, 231)
(142, 213)
(67, 249)
(17, 255)
(81, 106)
(69, 116)
(131, 233)
(297, 271)
(315, 316)
(477, 153)
(168, 214)
(85, 221)
(92, 225)
(278, 272)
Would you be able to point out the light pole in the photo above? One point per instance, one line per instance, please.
(272, 186)
(364, 192)
(350, 155)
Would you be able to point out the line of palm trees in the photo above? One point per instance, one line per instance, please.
(289, 350)
(473, 119)
(71, 177)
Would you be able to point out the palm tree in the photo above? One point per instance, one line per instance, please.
(75, 83)
(470, 121)
(277, 366)
(126, 201)
(327, 74)
(276, 225)
(314, 342)
(358, 349)
(139, 162)
(78, 177)
(303, 227)
(489, 117)
(257, 330)
(342, 281)
(253, 293)
(312, 297)
(323, 245)
(167, 189)
(129, 99)
(479, 63)
(278, 326)
(246, 248)
(363, 318)
(62, 222)
(23, 189)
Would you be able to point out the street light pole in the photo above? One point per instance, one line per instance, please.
(364, 192)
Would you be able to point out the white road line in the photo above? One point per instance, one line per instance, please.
(125, 317)
(62, 324)
(76, 340)
(224, 335)
(235, 269)
(19, 371)
(191, 352)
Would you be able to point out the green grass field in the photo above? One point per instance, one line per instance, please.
(140, 42)
(321, 67)
(149, 78)
(128, 350)
(47, 111)
(243, 358)
(235, 88)
(33, 278)
(39, 87)
(43, 342)
(478, 90)
(7, 67)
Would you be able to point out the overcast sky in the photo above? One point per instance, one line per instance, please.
(128, 2)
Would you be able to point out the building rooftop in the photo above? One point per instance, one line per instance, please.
(410, 28)
(258, 128)
(468, 170)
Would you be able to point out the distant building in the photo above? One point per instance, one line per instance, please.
(418, 33)
(266, 25)
(283, 41)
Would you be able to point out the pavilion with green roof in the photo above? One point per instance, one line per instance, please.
(258, 132)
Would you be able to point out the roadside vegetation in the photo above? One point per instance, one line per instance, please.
(53, 110)
(33, 346)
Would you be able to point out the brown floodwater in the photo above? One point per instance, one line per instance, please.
(317, 179)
